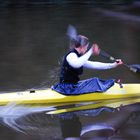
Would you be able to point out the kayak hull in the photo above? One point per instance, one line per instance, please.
(50, 97)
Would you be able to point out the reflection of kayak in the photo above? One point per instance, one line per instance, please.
(49, 97)
(93, 105)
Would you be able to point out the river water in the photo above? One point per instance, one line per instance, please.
(32, 43)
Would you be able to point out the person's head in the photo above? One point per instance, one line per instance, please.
(80, 44)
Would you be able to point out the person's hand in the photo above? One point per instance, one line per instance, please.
(95, 49)
(119, 62)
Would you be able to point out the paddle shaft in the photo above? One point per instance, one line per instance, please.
(108, 56)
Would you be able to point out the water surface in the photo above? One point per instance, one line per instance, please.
(33, 41)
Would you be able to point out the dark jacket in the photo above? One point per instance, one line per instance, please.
(69, 74)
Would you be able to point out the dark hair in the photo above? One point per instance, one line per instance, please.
(79, 41)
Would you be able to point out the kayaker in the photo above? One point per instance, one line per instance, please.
(72, 67)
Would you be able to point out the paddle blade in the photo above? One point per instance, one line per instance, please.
(72, 32)
(135, 68)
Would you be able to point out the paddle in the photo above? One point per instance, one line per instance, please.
(72, 34)
(134, 68)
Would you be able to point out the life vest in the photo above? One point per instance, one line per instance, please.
(69, 74)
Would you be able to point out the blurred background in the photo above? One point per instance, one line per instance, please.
(34, 2)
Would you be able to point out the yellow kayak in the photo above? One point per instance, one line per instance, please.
(49, 97)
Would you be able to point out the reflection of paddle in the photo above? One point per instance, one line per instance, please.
(134, 68)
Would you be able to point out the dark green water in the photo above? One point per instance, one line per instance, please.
(32, 42)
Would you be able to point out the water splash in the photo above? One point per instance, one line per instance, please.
(51, 78)
(11, 113)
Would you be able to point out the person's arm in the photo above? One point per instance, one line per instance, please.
(100, 65)
(77, 62)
